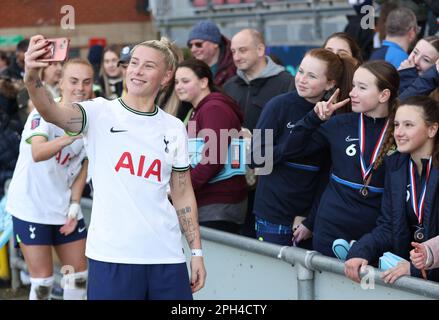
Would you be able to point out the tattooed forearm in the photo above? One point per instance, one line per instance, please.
(78, 119)
(187, 225)
(183, 211)
(49, 97)
(178, 179)
(75, 107)
(39, 84)
(74, 120)
(28, 78)
(182, 179)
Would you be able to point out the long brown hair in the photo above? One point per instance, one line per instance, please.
(167, 98)
(106, 89)
(430, 114)
(355, 49)
(387, 77)
(340, 68)
(434, 41)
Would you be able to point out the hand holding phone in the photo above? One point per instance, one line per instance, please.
(58, 50)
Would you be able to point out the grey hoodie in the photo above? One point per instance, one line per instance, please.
(271, 69)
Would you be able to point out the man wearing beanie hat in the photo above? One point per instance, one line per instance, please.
(208, 44)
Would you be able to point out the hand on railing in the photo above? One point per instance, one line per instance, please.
(352, 268)
(301, 233)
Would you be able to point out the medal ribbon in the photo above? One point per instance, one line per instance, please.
(418, 207)
(366, 171)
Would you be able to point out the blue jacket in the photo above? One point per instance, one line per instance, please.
(291, 187)
(6, 227)
(342, 212)
(407, 77)
(393, 232)
(423, 85)
(391, 52)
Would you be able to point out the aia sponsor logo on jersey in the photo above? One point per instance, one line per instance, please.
(142, 167)
(62, 158)
(35, 121)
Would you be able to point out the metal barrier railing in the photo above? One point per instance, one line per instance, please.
(16, 264)
(308, 262)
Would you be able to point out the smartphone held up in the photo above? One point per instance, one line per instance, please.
(58, 50)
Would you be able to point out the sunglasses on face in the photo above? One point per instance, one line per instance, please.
(196, 44)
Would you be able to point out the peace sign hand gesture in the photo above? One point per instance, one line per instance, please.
(324, 109)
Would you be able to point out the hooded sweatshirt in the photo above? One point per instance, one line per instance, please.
(216, 111)
(225, 68)
(270, 70)
(252, 95)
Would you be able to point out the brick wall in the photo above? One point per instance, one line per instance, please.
(33, 13)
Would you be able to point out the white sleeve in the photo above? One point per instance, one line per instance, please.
(35, 126)
(90, 110)
(181, 156)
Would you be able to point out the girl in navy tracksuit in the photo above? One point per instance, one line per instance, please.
(423, 56)
(350, 203)
(289, 190)
(410, 208)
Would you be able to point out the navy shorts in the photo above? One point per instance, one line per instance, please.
(118, 281)
(30, 233)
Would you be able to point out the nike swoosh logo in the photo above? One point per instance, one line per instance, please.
(290, 126)
(349, 139)
(112, 130)
(80, 230)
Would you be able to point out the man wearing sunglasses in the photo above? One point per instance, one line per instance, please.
(208, 44)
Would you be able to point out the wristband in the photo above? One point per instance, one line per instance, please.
(197, 253)
(73, 210)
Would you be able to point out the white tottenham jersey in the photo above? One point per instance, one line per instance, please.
(39, 191)
(131, 156)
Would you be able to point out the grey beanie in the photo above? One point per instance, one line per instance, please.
(205, 30)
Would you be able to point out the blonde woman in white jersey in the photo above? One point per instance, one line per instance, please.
(134, 149)
(45, 192)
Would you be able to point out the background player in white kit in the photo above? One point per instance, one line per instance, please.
(134, 148)
(46, 189)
